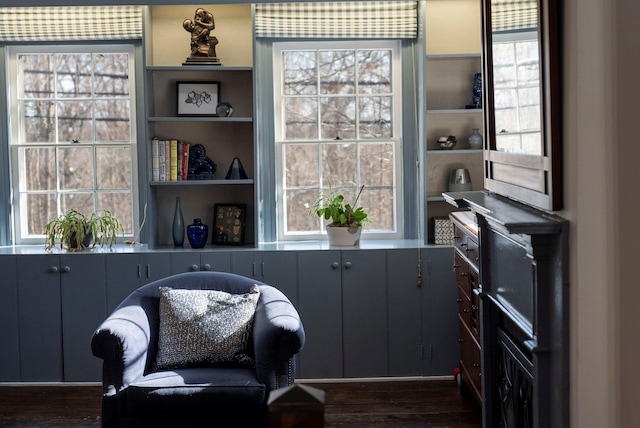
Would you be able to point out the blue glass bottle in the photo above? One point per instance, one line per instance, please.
(197, 233)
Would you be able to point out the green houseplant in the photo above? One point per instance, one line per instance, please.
(77, 231)
(346, 220)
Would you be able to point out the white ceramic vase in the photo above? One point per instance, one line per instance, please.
(344, 236)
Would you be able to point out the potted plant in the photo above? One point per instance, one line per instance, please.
(77, 231)
(346, 220)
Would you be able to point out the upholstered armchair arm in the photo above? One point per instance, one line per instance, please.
(122, 341)
(278, 335)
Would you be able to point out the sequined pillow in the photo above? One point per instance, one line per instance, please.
(205, 327)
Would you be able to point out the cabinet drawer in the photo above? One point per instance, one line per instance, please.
(464, 307)
(459, 239)
(470, 361)
(472, 253)
(461, 268)
(474, 322)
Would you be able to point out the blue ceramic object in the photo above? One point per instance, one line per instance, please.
(197, 233)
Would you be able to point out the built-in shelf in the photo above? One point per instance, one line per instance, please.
(201, 182)
(198, 119)
(455, 111)
(196, 68)
(454, 152)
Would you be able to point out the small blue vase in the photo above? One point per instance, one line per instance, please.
(197, 233)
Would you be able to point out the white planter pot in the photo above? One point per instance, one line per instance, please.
(344, 236)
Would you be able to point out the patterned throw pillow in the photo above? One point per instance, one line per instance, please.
(205, 327)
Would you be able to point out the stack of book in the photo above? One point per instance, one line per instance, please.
(170, 160)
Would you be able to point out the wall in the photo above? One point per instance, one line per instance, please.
(601, 175)
(170, 41)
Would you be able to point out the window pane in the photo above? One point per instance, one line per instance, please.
(339, 165)
(82, 202)
(376, 165)
(111, 76)
(39, 121)
(120, 206)
(337, 72)
(73, 76)
(506, 102)
(338, 118)
(113, 168)
(37, 76)
(112, 120)
(300, 73)
(380, 207)
(528, 62)
(39, 168)
(301, 165)
(40, 209)
(75, 167)
(529, 100)
(374, 71)
(301, 118)
(375, 117)
(75, 121)
(299, 205)
(504, 69)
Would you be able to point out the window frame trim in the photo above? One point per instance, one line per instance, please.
(131, 47)
(395, 45)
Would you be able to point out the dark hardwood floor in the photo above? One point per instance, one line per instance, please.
(432, 403)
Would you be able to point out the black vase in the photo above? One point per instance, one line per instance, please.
(197, 233)
(178, 225)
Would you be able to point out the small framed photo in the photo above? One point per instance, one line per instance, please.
(229, 224)
(198, 98)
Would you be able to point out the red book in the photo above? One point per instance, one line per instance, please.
(185, 160)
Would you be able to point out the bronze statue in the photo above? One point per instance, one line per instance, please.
(203, 44)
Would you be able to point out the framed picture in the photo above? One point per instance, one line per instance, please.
(198, 98)
(229, 224)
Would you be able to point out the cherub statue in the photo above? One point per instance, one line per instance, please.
(203, 44)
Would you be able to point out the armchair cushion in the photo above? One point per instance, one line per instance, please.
(195, 392)
(205, 327)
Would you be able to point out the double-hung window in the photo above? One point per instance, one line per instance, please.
(72, 134)
(337, 128)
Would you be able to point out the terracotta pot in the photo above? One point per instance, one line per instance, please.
(344, 236)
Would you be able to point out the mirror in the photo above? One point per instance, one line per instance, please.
(522, 101)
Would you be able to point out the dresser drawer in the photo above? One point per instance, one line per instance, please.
(472, 253)
(461, 268)
(470, 361)
(464, 307)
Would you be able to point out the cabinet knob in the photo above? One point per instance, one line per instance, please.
(460, 340)
(463, 244)
(463, 274)
(347, 265)
(474, 307)
(476, 365)
(335, 265)
(465, 310)
(459, 300)
(54, 269)
(66, 269)
(195, 267)
(206, 266)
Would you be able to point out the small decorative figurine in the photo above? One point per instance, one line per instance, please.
(201, 167)
(203, 44)
(476, 101)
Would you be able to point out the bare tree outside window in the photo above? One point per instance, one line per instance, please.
(338, 132)
(74, 144)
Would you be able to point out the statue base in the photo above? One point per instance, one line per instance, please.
(202, 60)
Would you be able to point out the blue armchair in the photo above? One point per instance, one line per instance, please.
(134, 395)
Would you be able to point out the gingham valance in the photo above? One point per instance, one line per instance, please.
(38, 24)
(343, 20)
(514, 15)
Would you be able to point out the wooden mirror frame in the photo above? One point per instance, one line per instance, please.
(545, 191)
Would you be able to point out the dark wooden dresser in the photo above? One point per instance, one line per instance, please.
(466, 267)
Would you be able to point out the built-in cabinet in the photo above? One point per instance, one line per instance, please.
(363, 311)
(60, 300)
(224, 138)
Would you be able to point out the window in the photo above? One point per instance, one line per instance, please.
(517, 92)
(337, 128)
(72, 136)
